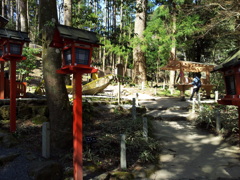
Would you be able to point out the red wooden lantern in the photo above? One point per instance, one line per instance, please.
(11, 45)
(76, 47)
(231, 73)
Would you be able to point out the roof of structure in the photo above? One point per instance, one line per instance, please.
(15, 35)
(3, 22)
(78, 34)
(229, 62)
(188, 66)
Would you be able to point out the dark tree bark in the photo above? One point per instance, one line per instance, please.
(57, 98)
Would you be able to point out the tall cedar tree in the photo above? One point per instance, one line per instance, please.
(23, 15)
(57, 97)
(139, 59)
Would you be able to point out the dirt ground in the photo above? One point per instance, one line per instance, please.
(188, 153)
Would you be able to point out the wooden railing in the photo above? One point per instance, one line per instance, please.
(20, 92)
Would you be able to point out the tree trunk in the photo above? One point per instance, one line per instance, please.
(237, 24)
(68, 22)
(173, 49)
(104, 48)
(23, 15)
(139, 71)
(3, 8)
(11, 10)
(8, 10)
(17, 16)
(68, 12)
(57, 97)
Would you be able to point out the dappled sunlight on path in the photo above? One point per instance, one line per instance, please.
(193, 154)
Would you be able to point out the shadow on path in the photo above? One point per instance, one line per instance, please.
(193, 154)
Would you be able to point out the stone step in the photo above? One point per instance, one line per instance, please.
(172, 114)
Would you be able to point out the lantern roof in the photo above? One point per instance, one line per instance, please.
(3, 22)
(14, 35)
(63, 33)
(231, 61)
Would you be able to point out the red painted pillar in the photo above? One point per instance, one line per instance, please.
(2, 81)
(239, 124)
(13, 97)
(77, 128)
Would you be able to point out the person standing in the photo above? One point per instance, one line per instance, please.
(196, 84)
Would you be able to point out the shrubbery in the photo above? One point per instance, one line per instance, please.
(228, 118)
(107, 128)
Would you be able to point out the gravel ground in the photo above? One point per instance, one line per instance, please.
(16, 169)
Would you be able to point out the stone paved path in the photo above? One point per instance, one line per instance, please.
(190, 153)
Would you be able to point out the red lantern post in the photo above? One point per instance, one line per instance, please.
(13, 88)
(231, 73)
(2, 80)
(76, 46)
(12, 43)
(77, 127)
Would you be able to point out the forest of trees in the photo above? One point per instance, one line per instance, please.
(141, 34)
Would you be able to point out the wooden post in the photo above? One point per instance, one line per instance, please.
(181, 74)
(77, 128)
(136, 99)
(193, 106)
(199, 97)
(123, 159)
(13, 96)
(164, 84)
(199, 102)
(134, 109)
(218, 120)
(143, 85)
(216, 96)
(145, 128)
(208, 76)
(46, 140)
(119, 92)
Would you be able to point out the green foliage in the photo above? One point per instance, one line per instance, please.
(218, 80)
(159, 35)
(207, 117)
(84, 16)
(108, 142)
(50, 23)
(167, 92)
(228, 118)
(27, 66)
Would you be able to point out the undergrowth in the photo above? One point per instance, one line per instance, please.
(106, 128)
(228, 118)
